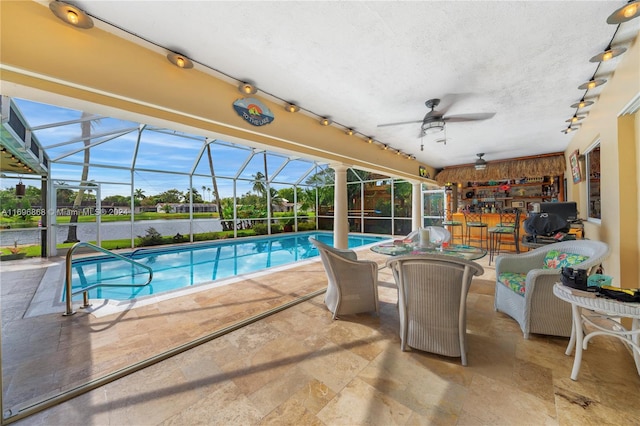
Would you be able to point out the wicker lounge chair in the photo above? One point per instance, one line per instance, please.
(432, 297)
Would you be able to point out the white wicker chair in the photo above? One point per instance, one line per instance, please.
(538, 310)
(352, 284)
(432, 297)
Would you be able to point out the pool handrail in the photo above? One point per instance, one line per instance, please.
(85, 290)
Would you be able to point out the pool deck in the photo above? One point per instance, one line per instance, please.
(297, 366)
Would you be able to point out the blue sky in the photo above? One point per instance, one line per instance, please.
(160, 150)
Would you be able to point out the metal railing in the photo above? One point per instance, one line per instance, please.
(85, 290)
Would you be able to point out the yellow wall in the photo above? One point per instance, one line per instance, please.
(620, 157)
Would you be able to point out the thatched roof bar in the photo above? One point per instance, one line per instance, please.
(514, 168)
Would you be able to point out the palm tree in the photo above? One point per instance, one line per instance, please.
(208, 189)
(85, 130)
(139, 194)
(225, 225)
(204, 192)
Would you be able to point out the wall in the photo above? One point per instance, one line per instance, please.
(620, 159)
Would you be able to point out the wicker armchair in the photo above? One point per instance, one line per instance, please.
(524, 284)
(352, 284)
(432, 297)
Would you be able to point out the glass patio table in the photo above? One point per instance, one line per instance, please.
(399, 247)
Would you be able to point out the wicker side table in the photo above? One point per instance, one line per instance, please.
(599, 308)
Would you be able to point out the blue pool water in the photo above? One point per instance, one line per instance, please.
(184, 266)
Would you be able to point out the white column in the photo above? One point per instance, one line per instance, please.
(340, 211)
(416, 205)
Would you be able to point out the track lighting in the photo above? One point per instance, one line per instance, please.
(369, 140)
(349, 132)
(71, 15)
(609, 53)
(575, 119)
(582, 104)
(180, 61)
(247, 88)
(569, 129)
(325, 121)
(592, 84)
(291, 107)
(625, 13)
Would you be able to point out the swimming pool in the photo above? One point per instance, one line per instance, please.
(191, 265)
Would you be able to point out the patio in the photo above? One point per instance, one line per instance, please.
(298, 366)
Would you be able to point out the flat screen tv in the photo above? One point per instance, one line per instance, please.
(568, 210)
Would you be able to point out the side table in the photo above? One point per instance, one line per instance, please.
(599, 308)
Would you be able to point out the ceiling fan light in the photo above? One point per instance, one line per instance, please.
(71, 15)
(432, 127)
(591, 84)
(608, 54)
(625, 13)
(480, 163)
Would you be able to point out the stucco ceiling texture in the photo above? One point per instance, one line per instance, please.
(367, 63)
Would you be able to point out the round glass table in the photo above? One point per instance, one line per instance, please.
(399, 247)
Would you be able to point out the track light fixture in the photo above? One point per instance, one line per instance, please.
(582, 104)
(609, 53)
(349, 132)
(625, 13)
(325, 121)
(369, 140)
(291, 107)
(71, 15)
(247, 88)
(592, 84)
(569, 129)
(575, 119)
(179, 60)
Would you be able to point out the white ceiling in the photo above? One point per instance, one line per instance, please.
(365, 63)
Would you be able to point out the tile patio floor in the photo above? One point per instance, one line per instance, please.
(297, 366)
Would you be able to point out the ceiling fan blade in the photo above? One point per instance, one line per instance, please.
(469, 117)
(399, 123)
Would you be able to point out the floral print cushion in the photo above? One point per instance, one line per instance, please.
(514, 281)
(556, 259)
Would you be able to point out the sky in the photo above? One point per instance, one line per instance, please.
(163, 160)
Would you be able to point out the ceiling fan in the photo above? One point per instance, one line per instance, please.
(434, 121)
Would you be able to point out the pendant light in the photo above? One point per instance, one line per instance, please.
(609, 53)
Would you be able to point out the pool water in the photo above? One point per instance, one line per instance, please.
(191, 265)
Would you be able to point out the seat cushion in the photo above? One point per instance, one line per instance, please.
(514, 281)
(503, 229)
(556, 259)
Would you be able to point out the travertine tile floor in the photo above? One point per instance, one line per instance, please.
(299, 367)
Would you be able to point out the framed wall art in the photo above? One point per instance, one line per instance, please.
(575, 166)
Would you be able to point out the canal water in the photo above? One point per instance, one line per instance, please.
(111, 230)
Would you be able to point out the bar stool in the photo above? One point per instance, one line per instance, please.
(474, 221)
(509, 224)
(451, 224)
